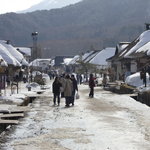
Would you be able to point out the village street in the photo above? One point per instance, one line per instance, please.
(106, 122)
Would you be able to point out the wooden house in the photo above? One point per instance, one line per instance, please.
(133, 57)
(117, 67)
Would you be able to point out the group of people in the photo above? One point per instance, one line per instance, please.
(65, 86)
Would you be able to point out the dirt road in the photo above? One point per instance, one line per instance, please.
(106, 122)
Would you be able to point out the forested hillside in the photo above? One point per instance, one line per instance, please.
(75, 28)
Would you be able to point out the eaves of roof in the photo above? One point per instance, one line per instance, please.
(121, 55)
(91, 56)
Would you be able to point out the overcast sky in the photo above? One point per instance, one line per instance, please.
(16, 5)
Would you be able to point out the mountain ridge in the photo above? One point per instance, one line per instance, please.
(50, 4)
(74, 29)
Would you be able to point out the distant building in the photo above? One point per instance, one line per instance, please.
(25, 51)
(41, 64)
(59, 60)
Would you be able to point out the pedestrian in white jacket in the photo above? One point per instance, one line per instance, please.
(68, 88)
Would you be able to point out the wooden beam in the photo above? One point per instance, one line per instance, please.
(17, 109)
(15, 115)
(9, 122)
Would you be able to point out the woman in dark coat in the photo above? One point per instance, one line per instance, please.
(91, 85)
(56, 90)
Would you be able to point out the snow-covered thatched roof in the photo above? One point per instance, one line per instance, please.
(74, 60)
(8, 57)
(67, 60)
(123, 46)
(91, 55)
(16, 54)
(100, 58)
(140, 45)
(86, 55)
(145, 49)
(24, 50)
(3, 62)
(37, 62)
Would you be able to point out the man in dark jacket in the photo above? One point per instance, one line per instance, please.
(75, 88)
(56, 90)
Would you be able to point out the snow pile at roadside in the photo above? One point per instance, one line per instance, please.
(33, 85)
(15, 98)
(36, 87)
(135, 80)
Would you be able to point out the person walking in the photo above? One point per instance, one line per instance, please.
(62, 81)
(104, 81)
(143, 76)
(91, 85)
(68, 88)
(75, 88)
(56, 90)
